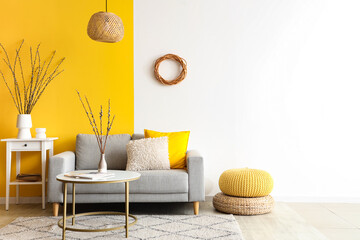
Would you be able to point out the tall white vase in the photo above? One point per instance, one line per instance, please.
(102, 168)
(24, 124)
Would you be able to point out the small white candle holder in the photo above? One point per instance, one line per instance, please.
(40, 133)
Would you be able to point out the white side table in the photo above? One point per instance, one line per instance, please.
(26, 145)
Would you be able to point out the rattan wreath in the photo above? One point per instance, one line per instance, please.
(174, 57)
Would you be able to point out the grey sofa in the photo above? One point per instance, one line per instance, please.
(174, 185)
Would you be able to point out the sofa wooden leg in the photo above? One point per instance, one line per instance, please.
(56, 209)
(196, 208)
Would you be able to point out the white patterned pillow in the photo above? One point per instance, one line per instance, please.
(148, 154)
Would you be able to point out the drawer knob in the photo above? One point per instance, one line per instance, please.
(25, 145)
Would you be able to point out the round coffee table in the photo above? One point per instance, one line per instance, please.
(118, 176)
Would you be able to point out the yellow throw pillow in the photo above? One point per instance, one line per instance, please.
(178, 142)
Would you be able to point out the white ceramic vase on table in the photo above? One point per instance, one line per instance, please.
(24, 125)
(102, 168)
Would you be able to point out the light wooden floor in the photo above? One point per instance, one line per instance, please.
(288, 221)
(337, 221)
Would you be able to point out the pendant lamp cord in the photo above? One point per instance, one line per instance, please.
(105, 5)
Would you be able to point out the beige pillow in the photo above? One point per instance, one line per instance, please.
(148, 154)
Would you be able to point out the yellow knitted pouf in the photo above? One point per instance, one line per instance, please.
(246, 182)
(243, 206)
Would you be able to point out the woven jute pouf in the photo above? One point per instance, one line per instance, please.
(243, 206)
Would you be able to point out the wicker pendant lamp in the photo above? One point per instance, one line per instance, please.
(105, 27)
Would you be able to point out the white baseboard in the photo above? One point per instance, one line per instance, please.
(22, 200)
(308, 199)
(317, 199)
(208, 198)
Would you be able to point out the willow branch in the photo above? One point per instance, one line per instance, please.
(37, 97)
(101, 128)
(51, 76)
(44, 83)
(108, 131)
(109, 124)
(23, 80)
(8, 63)
(12, 96)
(42, 79)
(95, 125)
(88, 116)
(33, 76)
(17, 87)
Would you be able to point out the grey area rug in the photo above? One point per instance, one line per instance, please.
(162, 227)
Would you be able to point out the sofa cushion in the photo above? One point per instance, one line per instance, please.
(137, 136)
(151, 181)
(178, 142)
(148, 154)
(88, 153)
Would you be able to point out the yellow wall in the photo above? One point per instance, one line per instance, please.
(99, 70)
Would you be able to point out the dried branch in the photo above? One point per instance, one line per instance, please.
(8, 63)
(26, 96)
(32, 86)
(41, 88)
(101, 139)
(23, 80)
(88, 116)
(12, 96)
(16, 82)
(101, 129)
(93, 119)
(108, 131)
(108, 123)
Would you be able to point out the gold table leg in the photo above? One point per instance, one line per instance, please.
(73, 204)
(60, 222)
(127, 208)
(63, 221)
(64, 214)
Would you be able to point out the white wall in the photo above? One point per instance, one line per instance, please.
(272, 85)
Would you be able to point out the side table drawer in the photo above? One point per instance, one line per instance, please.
(25, 146)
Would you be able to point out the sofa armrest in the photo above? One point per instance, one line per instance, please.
(195, 168)
(60, 163)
